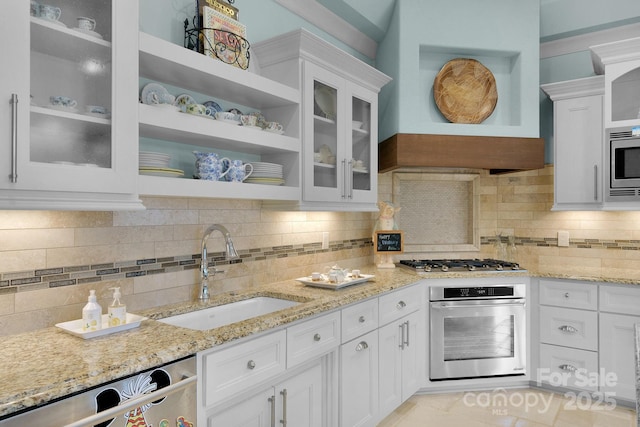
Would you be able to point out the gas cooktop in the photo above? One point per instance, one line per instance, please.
(460, 265)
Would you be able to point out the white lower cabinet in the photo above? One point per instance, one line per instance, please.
(619, 312)
(296, 401)
(617, 350)
(568, 322)
(359, 381)
(587, 337)
(337, 369)
(400, 361)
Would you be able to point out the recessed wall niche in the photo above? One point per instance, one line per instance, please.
(505, 67)
(438, 211)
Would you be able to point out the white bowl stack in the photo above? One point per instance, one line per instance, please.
(266, 173)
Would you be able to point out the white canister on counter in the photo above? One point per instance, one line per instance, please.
(92, 314)
(117, 310)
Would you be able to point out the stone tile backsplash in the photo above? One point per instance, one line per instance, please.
(84, 274)
(50, 260)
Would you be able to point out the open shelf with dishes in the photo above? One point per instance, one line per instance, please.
(185, 70)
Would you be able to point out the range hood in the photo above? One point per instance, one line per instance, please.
(499, 154)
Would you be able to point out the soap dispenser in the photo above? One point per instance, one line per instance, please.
(92, 314)
(117, 310)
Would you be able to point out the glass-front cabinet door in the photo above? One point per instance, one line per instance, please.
(69, 85)
(363, 139)
(339, 139)
(324, 150)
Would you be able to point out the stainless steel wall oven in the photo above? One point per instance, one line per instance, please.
(477, 331)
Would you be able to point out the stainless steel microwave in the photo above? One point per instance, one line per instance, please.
(623, 162)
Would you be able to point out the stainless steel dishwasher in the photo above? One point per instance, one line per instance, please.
(162, 396)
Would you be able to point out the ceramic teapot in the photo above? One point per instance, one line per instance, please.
(336, 274)
(210, 166)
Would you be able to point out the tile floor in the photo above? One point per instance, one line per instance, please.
(507, 408)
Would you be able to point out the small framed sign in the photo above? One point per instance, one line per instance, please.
(389, 242)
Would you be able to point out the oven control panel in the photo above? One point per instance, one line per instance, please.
(437, 293)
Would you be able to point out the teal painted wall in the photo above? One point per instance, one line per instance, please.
(502, 34)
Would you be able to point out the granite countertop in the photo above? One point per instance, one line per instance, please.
(48, 364)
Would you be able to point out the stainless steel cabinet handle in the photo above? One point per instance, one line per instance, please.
(361, 319)
(135, 403)
(400, 305)
(272, 400)
(595, 182)
(406, 342)
(401, 344)
(317, 337)
(13, 175)
(251, 364)
(344, 178)
(568, 368)
(568, 328)
(283, 421)
(350, 175)
(362, 345)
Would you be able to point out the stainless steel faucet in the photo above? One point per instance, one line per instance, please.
(204, 268)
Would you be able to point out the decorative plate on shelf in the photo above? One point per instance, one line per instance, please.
(214, 108)
(152, 93)
(183, 100)
(465, 91)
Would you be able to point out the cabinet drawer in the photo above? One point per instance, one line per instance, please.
(620, 299)
(400, 303)
(359, 319)
(567, 367)
(568, 327)
(240, 367)
(569, 294)
(312, 338)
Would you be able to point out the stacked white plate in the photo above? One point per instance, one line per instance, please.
(156, 164)
(266, 173)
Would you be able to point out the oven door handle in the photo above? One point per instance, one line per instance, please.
(441, 305)
(134, 403)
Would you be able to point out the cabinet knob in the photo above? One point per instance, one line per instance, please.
(361, 319)
(362, 345)
(251, 364)
(400, 305)
(316, 337)
(566, 294)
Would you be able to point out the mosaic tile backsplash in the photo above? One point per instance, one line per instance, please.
(83, 274)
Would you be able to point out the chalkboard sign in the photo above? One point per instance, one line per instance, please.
(389, 241)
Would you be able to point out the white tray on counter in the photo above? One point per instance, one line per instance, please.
(328, 285)
(74, 327)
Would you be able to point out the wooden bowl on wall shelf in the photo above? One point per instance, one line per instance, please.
(465, 91)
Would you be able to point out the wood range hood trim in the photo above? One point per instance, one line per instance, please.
(499, 154)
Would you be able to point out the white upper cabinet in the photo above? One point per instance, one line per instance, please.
(69, 89)
(620, 63)
(578, 141)
(339, 119)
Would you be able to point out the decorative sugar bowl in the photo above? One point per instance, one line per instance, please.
(210, 166)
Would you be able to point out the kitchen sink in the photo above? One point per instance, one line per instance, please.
(226, 314)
